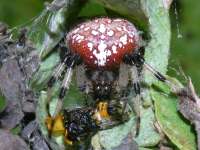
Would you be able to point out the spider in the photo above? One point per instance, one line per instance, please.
(80, 123)
(103, 46)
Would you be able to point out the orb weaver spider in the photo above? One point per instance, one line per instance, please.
(103, 46)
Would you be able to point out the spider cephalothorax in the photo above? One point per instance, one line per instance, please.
(102, 83)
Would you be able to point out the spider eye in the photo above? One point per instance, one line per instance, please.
(106, 88)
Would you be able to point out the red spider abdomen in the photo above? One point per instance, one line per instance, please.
(103, 42)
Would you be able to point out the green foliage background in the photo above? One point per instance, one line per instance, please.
(185, 51)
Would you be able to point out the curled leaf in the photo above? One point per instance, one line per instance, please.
(176, 129)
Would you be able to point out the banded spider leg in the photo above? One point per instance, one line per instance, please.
(136, 60)
(69, 62)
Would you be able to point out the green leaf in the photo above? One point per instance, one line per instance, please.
(17, 12)
(176, 129)
(130, 9)
(41, 77)
(95, 10)
(16, 130)
(74, 97)
(46, 30)
(111, 138)
(41, 115)
(160, 33)
(141, 148)
(2, 102)
(147, 137)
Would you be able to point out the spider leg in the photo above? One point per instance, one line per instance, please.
(137, 99)
(56, 74)
(123, 83)
(134, 102)
(70, 62)
(83, 83)
(137, 60)
(63, 90)
(157, 74)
